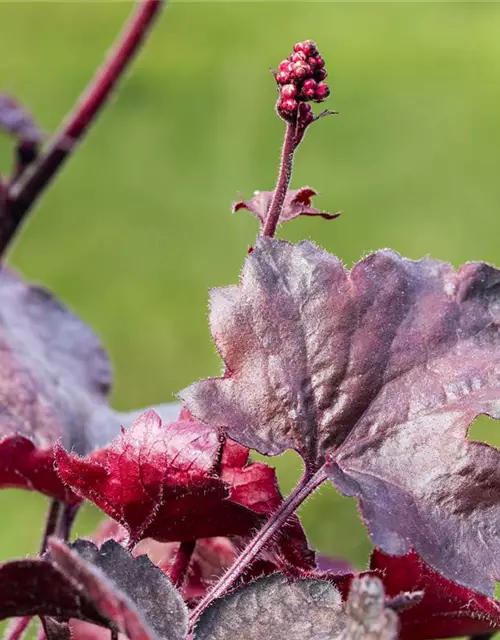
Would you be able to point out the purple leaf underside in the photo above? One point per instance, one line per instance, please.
(378, 372)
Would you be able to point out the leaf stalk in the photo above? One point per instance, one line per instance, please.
(284, 177)
(275, 523)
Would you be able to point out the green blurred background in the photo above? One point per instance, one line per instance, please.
(138, 225)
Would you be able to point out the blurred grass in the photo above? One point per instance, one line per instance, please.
(138, 226)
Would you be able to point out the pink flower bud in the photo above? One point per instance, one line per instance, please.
(286, 66)
(322, 92)
(283, 77)
(320, 63)
(309, 89)
(307, 46)
(301, 70)
(289, 91)
(288, 105)
(299, 56)
(320, 74)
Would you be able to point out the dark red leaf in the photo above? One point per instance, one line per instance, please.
(130, 593)
(55, 378)
(25, 466)
(297, 203)
(157, 480)
(36, 587)
(166, 482)
(107, 587)
(447, 610)
(274, 608)
(379, 373)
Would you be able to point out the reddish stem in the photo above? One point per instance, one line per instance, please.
(51, 523)
(17, 628)
(284, 177)
(287, 508)
(67, 519)
(25, 191)
(180, 566)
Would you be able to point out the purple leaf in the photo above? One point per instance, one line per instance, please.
(274, 608)
(297, 203)
(55, 378)
(16, 121)
(379, 373)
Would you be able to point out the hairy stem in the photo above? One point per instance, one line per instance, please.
(180, 566)
(287, 508)
(17, 628)
(51, 523)
(23, 193)
(284, 177)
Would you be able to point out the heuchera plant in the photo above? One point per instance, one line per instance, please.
(372, 375)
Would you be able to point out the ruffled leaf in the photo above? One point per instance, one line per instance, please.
(274, 608)
(378, 373)
(174, 482)
(446, 610)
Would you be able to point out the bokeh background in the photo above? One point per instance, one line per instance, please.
(138, 226)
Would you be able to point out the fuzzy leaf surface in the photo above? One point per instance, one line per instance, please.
(297, 203)
(174, 482)
(447, 610)
(379, 373)
(274, 608)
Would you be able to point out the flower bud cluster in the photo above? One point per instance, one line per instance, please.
(300, 79)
